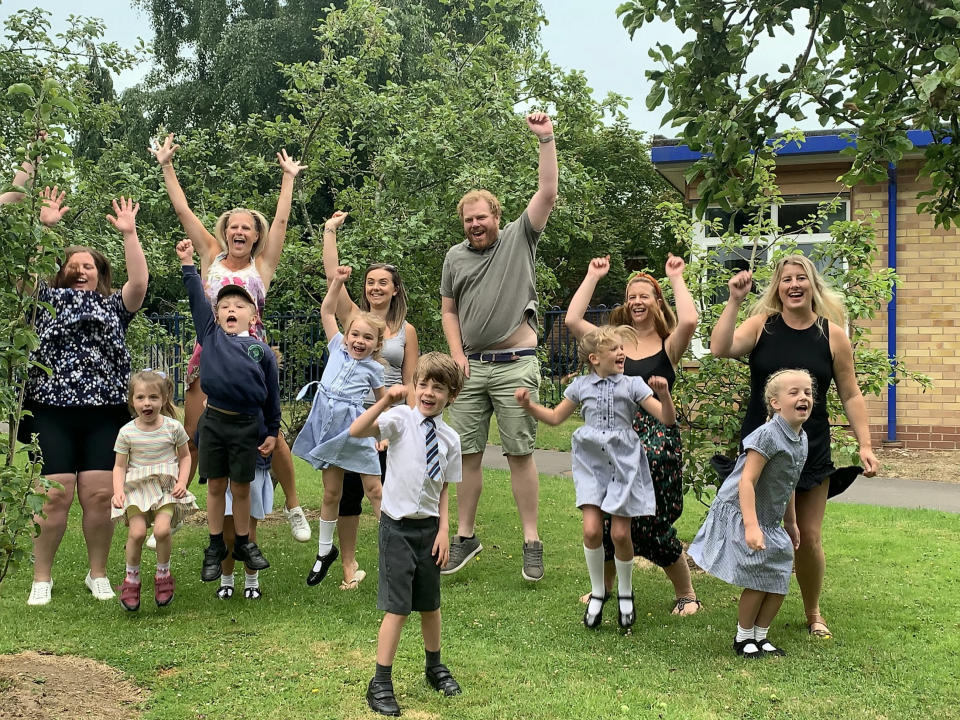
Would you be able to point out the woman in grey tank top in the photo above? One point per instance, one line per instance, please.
(384, 296)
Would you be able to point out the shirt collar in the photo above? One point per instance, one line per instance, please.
(595, 379)
(420, 417)
(787, 430)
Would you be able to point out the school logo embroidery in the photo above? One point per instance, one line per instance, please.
(255, 353)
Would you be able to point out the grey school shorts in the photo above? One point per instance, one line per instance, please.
(409, 574)
(227, 445)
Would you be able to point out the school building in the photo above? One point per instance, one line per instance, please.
(922, 323)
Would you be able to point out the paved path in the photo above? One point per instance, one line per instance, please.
(885, 492)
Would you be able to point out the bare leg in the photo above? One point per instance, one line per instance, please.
(347, 526)
(283, 473)
(430, 627)
(216, 504)
(332, 490)
(94, 490)
(136, 534)
(228, 564)
(53, 526)
(161, 531)
(241, 507)
(809, 558)
(192, 409)
(620, 535)
(468, 494)
(526, 492)
(749, 607)
(373, 489)
(389, 638)
(769, 609)
(592, 526)
(679, 574)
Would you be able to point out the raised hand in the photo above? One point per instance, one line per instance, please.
(185, 252)
(659, 385)
(675, 266)
(396, 393)
(540, 124)
(335, 221)
(343, 273)
(740, 285)
(126, 215)
(53, 208)
(164, 153)
(288, 164)
(599, 267)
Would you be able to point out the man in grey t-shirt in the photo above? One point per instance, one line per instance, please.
(489, 313)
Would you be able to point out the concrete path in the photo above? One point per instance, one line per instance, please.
(885, 492)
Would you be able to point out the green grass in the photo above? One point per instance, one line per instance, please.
(548, 438)
(519, 650)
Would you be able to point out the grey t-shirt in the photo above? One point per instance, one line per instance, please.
(495, 289)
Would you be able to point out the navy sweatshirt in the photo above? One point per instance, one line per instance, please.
(238, 374)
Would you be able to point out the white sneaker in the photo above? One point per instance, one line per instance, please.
(40, 592)
(299, 527)
(100, 587)
(152, 540)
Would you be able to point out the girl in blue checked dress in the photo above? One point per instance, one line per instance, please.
(353, 369)
(742, 541)
(610, 471)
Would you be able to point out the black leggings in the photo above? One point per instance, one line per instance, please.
(352, 497)
(74, 439)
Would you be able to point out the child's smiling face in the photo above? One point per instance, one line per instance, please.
(432, 396)
(235, 314)
(608, 359)
(794, 399)
(147, 400)
(362, 339)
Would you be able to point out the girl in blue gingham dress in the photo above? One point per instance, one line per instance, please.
(750, 533)
(610, 471)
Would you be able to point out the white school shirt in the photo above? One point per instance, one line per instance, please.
(409, 492)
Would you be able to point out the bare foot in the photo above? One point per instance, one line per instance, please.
(686, 606)
(353, 582)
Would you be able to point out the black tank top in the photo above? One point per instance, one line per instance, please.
(778, 347)
(657, 364)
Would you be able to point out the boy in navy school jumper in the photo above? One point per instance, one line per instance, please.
(239, 376)
(423, 456)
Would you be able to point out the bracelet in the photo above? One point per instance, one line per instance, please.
(545, 139)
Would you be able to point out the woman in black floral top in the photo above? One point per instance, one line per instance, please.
(78, 408)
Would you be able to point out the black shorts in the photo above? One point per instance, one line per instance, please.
(352, 497)
(74, 439)
(409, 574)
(227, 445)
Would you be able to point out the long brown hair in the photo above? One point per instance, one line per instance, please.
(65, 278)
(397, 312)
(664, 321)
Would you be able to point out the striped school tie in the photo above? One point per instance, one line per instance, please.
(433, 450)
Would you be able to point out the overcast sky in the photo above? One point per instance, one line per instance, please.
(590, 40)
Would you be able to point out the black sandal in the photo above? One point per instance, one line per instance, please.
(594, 623)
(225, 592)
(252, 593)
(740, 648)
(768, 648)
(681, 602)
(626, 620)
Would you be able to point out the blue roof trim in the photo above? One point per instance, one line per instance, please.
(812, 145)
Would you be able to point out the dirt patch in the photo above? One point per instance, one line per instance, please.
(48, 687)
(933, 465)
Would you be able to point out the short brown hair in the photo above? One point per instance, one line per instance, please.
(104, 279)
(441, 368)
(475, 195)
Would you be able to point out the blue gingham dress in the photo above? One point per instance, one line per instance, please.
(610, 467)
(720, 547)
(325, 438)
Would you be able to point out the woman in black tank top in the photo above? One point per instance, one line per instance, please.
(661, 340)
(799, 323)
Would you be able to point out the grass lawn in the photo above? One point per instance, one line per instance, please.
(519, 650)
(548, 438)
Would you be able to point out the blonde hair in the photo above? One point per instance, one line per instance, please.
(827, 302)
(441, 368)
(378, 324)
(259, 221)
(664, 320)
(605, 336)
(475, 195)
(774, 385)
(154, 378)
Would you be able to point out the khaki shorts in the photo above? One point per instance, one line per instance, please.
(488, 390)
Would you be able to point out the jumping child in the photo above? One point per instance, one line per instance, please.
(742, 540)
(610, 471)
(150, 481)
(353, 369)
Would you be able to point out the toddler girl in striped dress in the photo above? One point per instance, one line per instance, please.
(742, 541)
(150, 477)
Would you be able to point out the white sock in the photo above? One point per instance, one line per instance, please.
(326, 530)
(594, 557)
(163, 568)
(226, 580)
(133, 574)
(251, 581)
(760, 633)
(744, 633)
(624, 583)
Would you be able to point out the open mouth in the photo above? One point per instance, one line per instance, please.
(795, 294)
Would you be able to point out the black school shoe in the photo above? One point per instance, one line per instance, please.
(212, 557)
(381, 699)
(740, 648)
(250, 555)
(441, 679)
(315, 576)
(769, 649)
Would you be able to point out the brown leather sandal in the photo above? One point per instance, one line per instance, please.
(823, 632)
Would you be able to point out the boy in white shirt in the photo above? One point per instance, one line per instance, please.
(423, 457)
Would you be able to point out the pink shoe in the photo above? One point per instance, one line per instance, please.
(163, 586)
(130, 595)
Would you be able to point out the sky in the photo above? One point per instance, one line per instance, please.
(580, 35)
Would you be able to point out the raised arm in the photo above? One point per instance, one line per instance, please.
(661, 406)
(203, 320)
(135, 288)
(53, 208)
(580, 301)
(727, 340)
(541, 204)
(269, 258)
(854, 405)
(366, 424)
(328, 308)
(679, 340)
(550, 417)
(450, 321)
(331, 261)
(21, 178)
(203, 241)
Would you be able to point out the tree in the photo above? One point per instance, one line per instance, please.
(880, 68)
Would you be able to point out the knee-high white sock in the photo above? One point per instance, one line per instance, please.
(327, 528)
(624, 583)
(594, 557)
(251, 580)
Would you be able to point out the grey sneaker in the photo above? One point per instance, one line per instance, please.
(532, 561)
(462, 550)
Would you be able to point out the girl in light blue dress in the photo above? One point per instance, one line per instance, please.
(353, 369)
(610, 471)
(750, 533)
